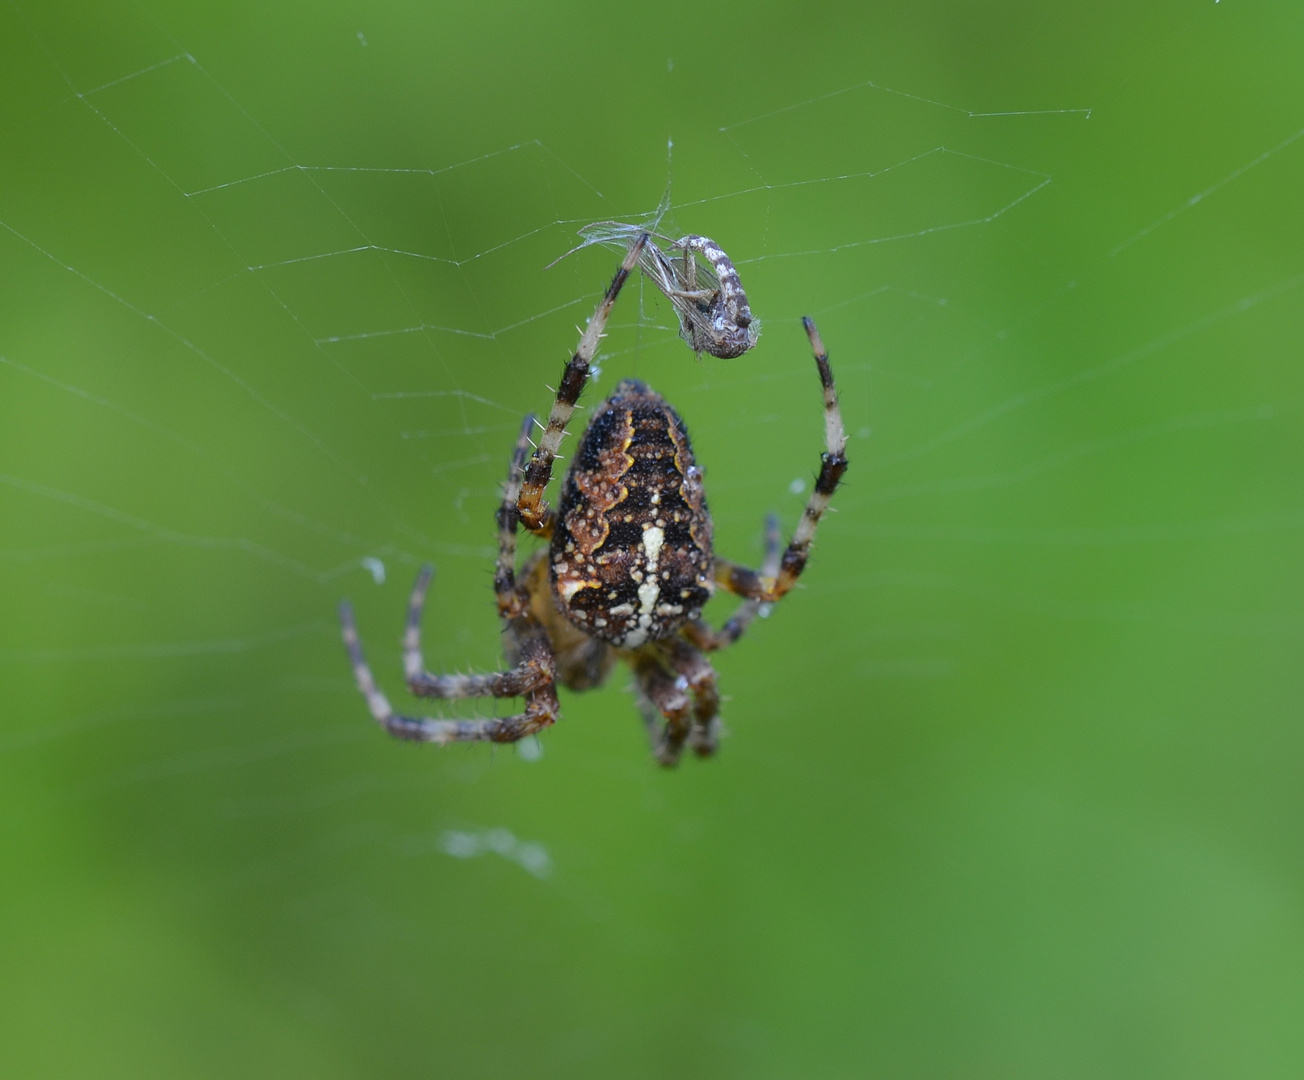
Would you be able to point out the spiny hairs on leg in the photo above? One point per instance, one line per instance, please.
(510, 602)
(541, 704)
(530, 674)
(532, 509)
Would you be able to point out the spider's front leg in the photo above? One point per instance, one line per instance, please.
(769, 587)
(530, 504)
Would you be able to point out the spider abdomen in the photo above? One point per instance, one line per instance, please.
(631, 557)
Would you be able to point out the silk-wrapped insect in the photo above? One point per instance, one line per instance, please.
(699, 280)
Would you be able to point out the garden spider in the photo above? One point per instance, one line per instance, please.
(627, 571)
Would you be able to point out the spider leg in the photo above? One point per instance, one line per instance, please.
(833, 463)
(541, 705)
(511, 600)
(663, 700)
(700, 676)
(533, 676)
(512, 603)
(533, 512)
(709, 639)
(530, 674)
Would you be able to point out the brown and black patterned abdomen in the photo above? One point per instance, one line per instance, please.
(631, 557)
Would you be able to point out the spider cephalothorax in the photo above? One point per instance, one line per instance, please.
(628, 568)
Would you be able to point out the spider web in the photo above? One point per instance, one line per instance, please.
(252, 362)
(375, 301)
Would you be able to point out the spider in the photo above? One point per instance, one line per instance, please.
(628, 568)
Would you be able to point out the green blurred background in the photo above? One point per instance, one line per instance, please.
(1013, 784)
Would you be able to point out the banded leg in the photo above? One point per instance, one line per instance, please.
(533, 511)
(528, 675)
(664, 702)
(541, 705)
(511, 601)
(833, 463)
(710, 640)
(511, 604)
(696, 670)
